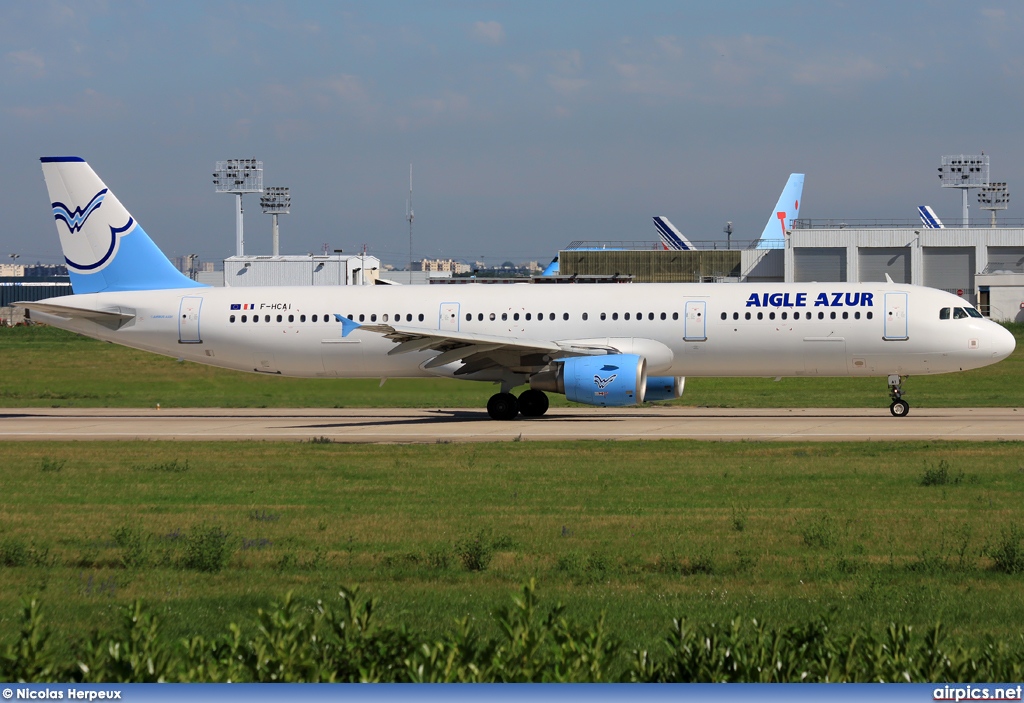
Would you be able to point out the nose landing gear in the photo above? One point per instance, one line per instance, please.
(899, 407)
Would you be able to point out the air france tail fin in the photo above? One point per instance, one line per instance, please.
(786, 210)
(928, 217)
(104, 247)
(671, 238)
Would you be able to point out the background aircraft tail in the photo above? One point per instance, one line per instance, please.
(671, 237)
(928, 217)
(104, 247)
(786, 210)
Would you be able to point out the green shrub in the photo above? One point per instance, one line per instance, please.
(822, 532)
(941, 475)
(207, 549)
(1008, 554)
(475, 552)
(51, 465)
(134, 545)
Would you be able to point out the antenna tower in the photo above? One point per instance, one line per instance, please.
(409, 217)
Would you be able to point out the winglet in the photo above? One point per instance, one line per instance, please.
(347, 325)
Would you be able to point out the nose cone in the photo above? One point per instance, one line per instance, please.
(1002, 343)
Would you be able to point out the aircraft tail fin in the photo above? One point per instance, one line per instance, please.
(786, 210)
(104, 247)
(928, 217)
(671, 237)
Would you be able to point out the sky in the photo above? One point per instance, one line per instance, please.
(528, 124)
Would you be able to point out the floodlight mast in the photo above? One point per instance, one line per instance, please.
(276, 200)
(992, 197)
(964, 172)
(238, 176)
(409, 217)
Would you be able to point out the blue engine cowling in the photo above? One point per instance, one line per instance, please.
(612, 380)
(664, 388)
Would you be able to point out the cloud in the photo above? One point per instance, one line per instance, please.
(488, 33)
(27, 63)
(836, 72)
(566, 67)
(87, 104)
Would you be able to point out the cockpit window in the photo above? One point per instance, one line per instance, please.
(944, 314)
(959, 313)
(972, 312)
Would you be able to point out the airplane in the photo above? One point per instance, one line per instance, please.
(671, 238)
(928, 217)
(598, 345)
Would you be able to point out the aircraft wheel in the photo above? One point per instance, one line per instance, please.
(503, 406)
(533, 403)
(899, 408)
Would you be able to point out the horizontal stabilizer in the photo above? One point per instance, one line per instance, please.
(114, 319)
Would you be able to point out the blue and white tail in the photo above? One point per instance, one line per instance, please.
(671, 238)
(786, 210)
(928, 217)
(104, 247)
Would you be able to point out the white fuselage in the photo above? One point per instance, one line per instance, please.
(812, 329)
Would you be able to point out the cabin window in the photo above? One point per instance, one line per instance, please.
(373, 317)
(420, 318)
(313, 318)
(735, 316)
(832, 315)
(725, 315)
(663, 316)
(856, 315)
(584, 316)
(232, 318)
(746, 316)
(469, 317)
(846, 315)
(362, 317)
(603, 316)
(760, 316)
(480, 317)
(565, 316)
(528, 316)
(504, 315)
(280, 319)
(515, 316)
(771, 316)
(869, 315)
(783, 316)
(291, 318)
(302, 318)
(821, 315)
(675, 316)
(625, 316)
(492, 317)
(615, 316)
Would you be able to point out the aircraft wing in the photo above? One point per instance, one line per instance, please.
(480, 351)
(114, 319)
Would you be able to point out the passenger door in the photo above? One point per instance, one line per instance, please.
(188, 320)
(895, 317)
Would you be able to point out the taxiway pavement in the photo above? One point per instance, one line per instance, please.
(472, 425)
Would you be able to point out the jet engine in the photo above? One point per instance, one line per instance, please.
(664, 388)
(611, 380)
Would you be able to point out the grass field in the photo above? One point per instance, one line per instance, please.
(48, 367)
(861, 533)
(864, 533)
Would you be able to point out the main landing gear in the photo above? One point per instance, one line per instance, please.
(505, 406)
(899, 407)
